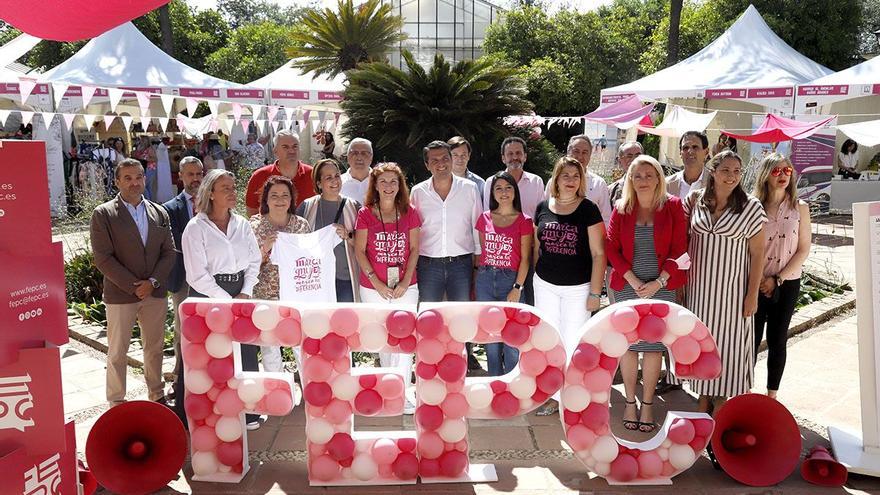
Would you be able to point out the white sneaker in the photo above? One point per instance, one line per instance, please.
(256, 423)
(408, 407)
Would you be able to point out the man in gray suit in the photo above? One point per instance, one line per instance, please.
(134, 249)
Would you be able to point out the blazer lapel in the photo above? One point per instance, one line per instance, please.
(127, 222)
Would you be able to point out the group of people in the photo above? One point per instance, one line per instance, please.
(510, 237)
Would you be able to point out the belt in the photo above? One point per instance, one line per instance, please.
(229, 277)
(447, 259)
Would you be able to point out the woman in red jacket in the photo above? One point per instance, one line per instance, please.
(647, 232)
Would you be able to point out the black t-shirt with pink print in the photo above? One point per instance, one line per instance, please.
(563, 244)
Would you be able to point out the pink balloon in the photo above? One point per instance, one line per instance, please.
(400, 324)
(453, 347)
(245, 309)
(368, 381)
(342, 365)
(461, 445)
(311, 346)
(681, 431)
(668, 469)
(243, 330)
(624, 468)
(354, 341)
(505, 405)
(700, 331)
(429, 468)
(426, 371)
(212, 420)
(651, 328)
(428, 417)
(337, 411)
(198, 406)
(221, 370)
(643, 309)
(429, 324)
(213, 393)
(368, 402)
(550, 380)
(533, 362)
(219, 318)
(455, 405)
(318, 393)
(204, 438)
(228, 403)
(580, 437)
(430, 351)
(430, 445)
(707, 366)
(686, 350)
(624, 319)
(557, 357)
(407, 344)
(406, 466)
(324, 468)
(344, 321)
(660, 309)
(453, 463)
(317, 369)
(598, 380)
(491, 319)
(607, 362)
(279, 402)
(195, 356)
(333, 346)
(289, 332)
(595, 416)
(683, 370)
(390, 386)
(393, 406)
(650, 465)
(698, 443)
(707, 344)
(194, 329)
(188, 309)
(384, 451)
(585, 357)
(523, 316)
(515, 333)
(341, 446)
(574, 375)
(703, 427)
(406, 444)
(229, 453)
(452, 368)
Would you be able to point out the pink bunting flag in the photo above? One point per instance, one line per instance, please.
(244, 124)
(272, 111)
(143, 101)
(26, 87)
(87, 93)
(89, 120)
(236, 111)
(191, 105)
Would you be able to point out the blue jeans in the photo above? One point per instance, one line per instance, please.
(493, 284)
(344, 292)
(445, 276)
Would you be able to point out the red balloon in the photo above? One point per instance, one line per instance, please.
(221, 370)
(510, 313)
(550, 380)
(406, 444)
(515, 333)
(685, 370)
(346, 462)
(571, 418)
(429, 324)
(452, 368)
(595, 416)
(333, 346)
(195, 329)
(311, 346)
(368, 381)
(539, 396)
(707, 366)
(243, 330)
(188, 309)
(453, 463)
(585, 357)
(428, 468)
(198, 406)
(246, 309)
(498, 386)
(607, 362)
(651, 328)
(341, 446)
(400, 324)
(703, 427)
(534, 320)
(318, 393)
(406, 466)
(426, 371)
(523, 316)
(643, 309)
(392, 340)
(660, 309)
(407, 344)
(698, 443)
(368, 402)
(624, 468)
(429, 417)
(505, 405)
(229, 453)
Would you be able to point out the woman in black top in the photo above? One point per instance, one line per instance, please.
(570, 256)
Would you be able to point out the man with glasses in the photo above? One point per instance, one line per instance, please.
(357, 178)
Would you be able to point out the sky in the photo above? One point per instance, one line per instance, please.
(581, 5)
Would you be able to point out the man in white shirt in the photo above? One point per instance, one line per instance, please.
(694, 149)
(357, 178)
(531, 187)
(449, 207)
(461, 155)
(580, 148)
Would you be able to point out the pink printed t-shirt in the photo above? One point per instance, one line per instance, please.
(502, 246)
(388, 244)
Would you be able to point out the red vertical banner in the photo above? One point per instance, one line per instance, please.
(51, 473)
(24, 197)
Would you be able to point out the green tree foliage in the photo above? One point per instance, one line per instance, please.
(334, 42)
(196, 34)
(243, 12)
(253, 51)
(870, 24)
(7, 32)
(400, 111)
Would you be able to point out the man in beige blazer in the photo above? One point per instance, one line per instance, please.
(134, 249)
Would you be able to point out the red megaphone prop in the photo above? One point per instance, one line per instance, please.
(820, 468)
(136, 447)
(756, 440)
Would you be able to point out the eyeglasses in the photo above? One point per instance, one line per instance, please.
(776, 172)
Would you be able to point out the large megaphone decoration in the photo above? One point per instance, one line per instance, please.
(756, 440)
(820, 468)
(136, 447)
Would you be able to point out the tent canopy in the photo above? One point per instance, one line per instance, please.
(776, 129)
(865, 73)
(288, 77)
(125, 57)
(748, 56)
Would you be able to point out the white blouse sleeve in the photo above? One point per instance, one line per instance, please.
(195, 261)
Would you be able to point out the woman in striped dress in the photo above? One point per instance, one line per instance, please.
(727, 253)
(647, 232)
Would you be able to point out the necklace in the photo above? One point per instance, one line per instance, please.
(567, 201)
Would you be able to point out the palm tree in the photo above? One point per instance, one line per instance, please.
(335, 42)
(403, 110)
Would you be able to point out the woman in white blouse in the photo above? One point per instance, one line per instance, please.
(220, 253)
(848, 160)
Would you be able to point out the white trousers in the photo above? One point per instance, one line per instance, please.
(403, 363)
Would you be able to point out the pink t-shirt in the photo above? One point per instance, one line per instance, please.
(502, 246)
(388, 244)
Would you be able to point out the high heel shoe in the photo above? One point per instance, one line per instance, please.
(631, 425)
(647, 427)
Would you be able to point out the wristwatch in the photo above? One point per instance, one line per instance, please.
(662, 280)
(517, 286)
(597, 296)
(154, 282)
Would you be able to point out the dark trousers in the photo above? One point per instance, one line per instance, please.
(344, 291)
(776, 316)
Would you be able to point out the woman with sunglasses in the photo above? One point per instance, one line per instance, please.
(788, 245)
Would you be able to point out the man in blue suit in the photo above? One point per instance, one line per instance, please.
(180, 210)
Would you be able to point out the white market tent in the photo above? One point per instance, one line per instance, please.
(12, 51)
(290, 86)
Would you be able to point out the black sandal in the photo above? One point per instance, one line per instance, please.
(629, 424)
(647, 427)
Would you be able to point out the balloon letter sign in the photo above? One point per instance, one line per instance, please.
(218, 393)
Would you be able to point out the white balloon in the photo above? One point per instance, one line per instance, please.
(373, 337)
(526, 403)
(319, 430)
(224, 468)
(265, 317)
(575, 398)
(666, 443)
(604, 449)
(523, 386)
(663, 453)
(218, 345)
(479, 395)
(463, 327)
(228, 428)
(614, 344)
(602, 468)
(198, 381)
(599, 397)
(346, 473)
(681, 456)
(364, 468)
(593, 336)
(544, 337)
(525, 347)
(432, 391)
(680, 322)
(668, 338)
(204, 463)
(345, 387)
(453, 430)
(250, 391)
(315, 323)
